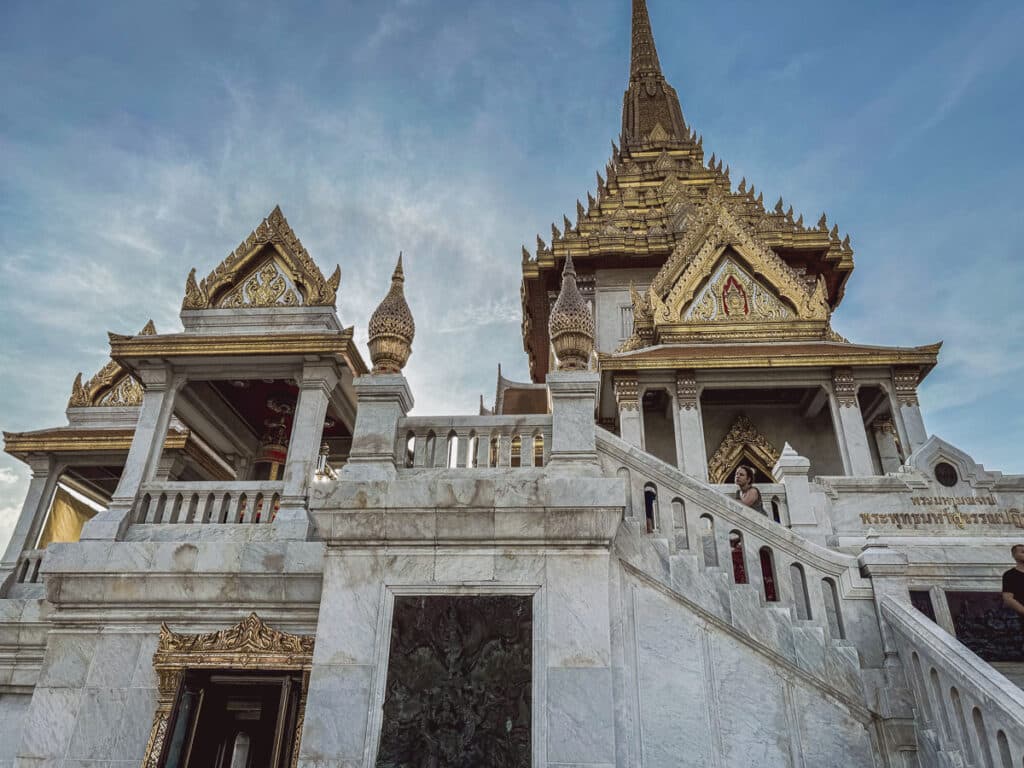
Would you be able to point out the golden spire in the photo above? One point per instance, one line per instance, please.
(392, 328)
(650, 101)
(645, 54)
(571, 326)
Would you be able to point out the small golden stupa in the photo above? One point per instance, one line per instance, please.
(392, 328)
(572, 324)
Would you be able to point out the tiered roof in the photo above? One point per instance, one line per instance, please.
(649, 193)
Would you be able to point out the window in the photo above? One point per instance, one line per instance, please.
(625, 321)
(226, 719)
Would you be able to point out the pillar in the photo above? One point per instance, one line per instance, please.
(884, 431)
(693, 458)
(887, 569)
(905, 381)
(791, 470)
(851, 425)
(573, 401)
(383, 400)
(627, 398)
(45, 474)
(141, 466)
(316, 384)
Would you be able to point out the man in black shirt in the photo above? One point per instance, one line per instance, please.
(1013, 584)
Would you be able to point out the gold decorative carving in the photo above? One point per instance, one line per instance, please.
(845, 387)
(392, 328)
(111, 386)
(686, 390)
(571, 325)
(905, 381)
(248, 260)
(743, 441)
(249, 645)
(627, 393)
(267, 287)
(732, 295)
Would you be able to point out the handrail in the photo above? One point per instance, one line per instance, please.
(690, 489)
(956, 691)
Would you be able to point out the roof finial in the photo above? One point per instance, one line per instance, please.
(650, 101)
(645, 54)
(392, 328)
(571, 324)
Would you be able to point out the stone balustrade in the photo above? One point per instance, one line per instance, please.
(27, 570)
(773, 495)
(818, 584)
(203, 503)
(967, 713)
(473, 442)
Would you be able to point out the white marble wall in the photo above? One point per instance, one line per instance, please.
(13, 708)
(94, 703)
(698, 696)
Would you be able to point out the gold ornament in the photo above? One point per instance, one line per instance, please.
(571, 326)
(392, 328)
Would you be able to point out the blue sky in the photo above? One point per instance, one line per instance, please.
(140, 139)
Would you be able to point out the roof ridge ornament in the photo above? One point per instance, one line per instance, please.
(292, 264)
(650, 109)
(572, 324)
(111, 386)
(392, 328)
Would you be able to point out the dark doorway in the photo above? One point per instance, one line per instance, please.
(234, 720)
(459, 683)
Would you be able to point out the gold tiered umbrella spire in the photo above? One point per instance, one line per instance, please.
(392, 328)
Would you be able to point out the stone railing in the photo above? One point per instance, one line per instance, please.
(773, 495)
(967, 713)
(27, 569)
(474, 442)
(817, 583)
(207, 503)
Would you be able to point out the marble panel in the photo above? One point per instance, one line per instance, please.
(143, 675)
(408, 567)
(578, 623)
(512, 567)
(673, 699)
(519, 523)
(99, 721)
(133, 734)
(336, 713)
(353, 597)
(829, 735)
(50, 723)
(13, 711)
(114, 661)
(461, 568)
(67, 659)
(580, 722)
(410, 525)
(753, 726)
(465, 524)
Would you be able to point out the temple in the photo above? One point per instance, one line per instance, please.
(242, 550)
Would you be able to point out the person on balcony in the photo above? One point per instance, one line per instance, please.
(1013, 585)
(748, 494)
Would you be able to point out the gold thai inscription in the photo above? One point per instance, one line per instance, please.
(947, 518)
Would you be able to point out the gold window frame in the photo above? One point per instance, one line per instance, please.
(249, 645)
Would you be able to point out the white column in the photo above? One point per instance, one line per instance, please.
(851, 425)
(791, 470)
(573, 400)
(693, 458)
(383, 400)
(45, 474)
(905, 381)
(885, 438)
(317, 382)
(627, 398)
(161, 386)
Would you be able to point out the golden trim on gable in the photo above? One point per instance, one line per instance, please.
(112, 386)
(287, 252)
(742, 438)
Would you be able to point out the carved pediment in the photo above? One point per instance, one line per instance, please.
(720, 272)
(734, 295)
(250, 637)
(743, 443)
(271, 268)
(112, 386)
